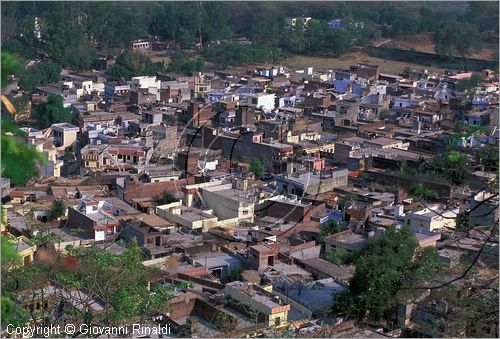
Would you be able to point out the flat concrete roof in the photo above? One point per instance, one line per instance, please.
(337, 271)
(349, 238)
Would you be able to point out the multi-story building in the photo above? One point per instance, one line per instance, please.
(263, 101)
(266, 306)
(96, 220)
(121, 156)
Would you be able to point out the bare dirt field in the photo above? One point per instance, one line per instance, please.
(343, 62)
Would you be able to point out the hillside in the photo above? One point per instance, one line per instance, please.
(423, 42)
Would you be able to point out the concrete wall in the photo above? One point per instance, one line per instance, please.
(226, 207)
(77, 220)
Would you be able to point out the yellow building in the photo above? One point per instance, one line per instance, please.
(25, 249)
(260, 300)
(432, 218)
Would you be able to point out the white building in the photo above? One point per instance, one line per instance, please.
(144, 82)
(264, 101)
(432, 218)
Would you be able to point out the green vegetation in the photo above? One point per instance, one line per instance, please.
(453, 165)
(184, 63)
(168, 197)
(339, 257)
(40, 74)
(130, 64)
(19, 164)
(84, 28)
(9, 67)
(190, 22)
(232, 275)
(258, 166)
(457, 38)
(52, 112)
(384, 114)
(470, 84)
(450, 167)
(385, 265)
(318, 38)
(234, 54)
(11, 313)
(488, 157)
(58, 209)
(328, 228)
(121, 281)
(421, 192)
(18, 159)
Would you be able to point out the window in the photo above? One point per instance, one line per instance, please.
(245, 212)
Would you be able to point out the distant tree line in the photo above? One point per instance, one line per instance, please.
(72, 33)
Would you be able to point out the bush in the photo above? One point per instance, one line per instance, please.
(232, 275)
(131, 64)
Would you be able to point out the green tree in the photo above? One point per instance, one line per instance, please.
(109, 25)
(58, 209)
(469, 85)
(453, 165)
(120, 281)
(19, 160)
(338, 42)
(340, 256)
(258, 166)
(19, 164)
(421, 192)
(296, 40)
(457, 38)
(405, 25)
(39, 74)
(328, 228)
(488, 157)
(168, 197)
(130, 64)
(386, 264)
(52, 112)
(9, 67)
(315, 35)
(11, 312)
(384, 114)
(233, 275)
(185, 63)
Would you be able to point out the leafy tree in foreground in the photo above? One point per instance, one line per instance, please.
(120, 281)
(18, 159)
(383, 266)
(18, 164)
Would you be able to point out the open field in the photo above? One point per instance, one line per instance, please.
(343, 62)
(423, 42)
